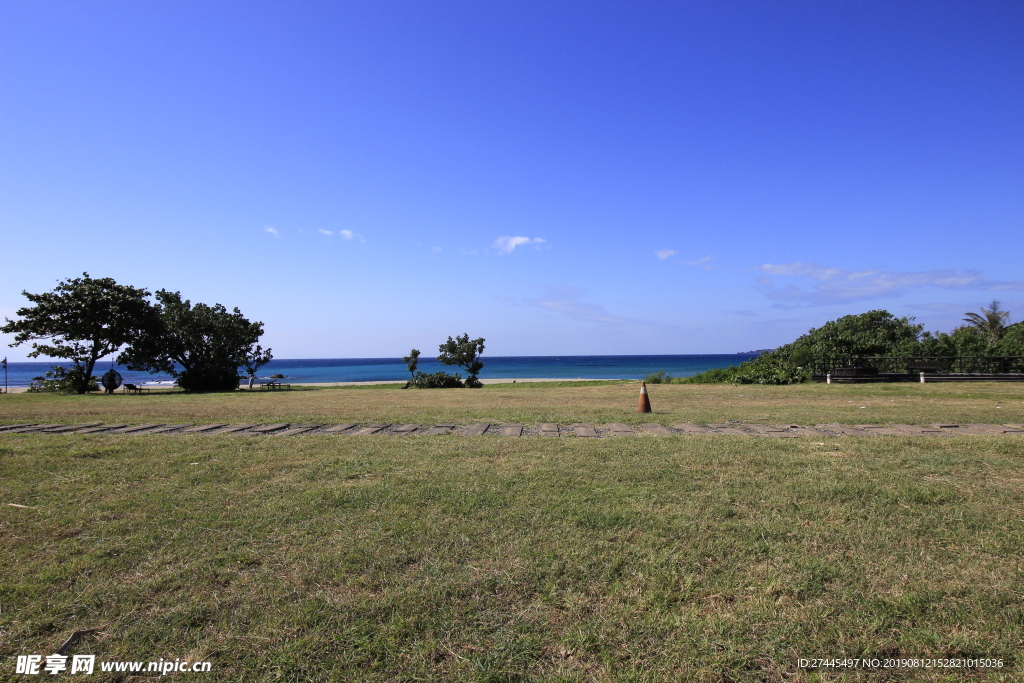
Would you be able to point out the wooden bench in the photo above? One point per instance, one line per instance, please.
(134, 389)
(274, 385)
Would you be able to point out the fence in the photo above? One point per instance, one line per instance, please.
(930, 364)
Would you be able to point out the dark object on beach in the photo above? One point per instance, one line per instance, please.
(111, 380)
(278, 376)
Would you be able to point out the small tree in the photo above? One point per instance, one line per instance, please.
(85, 319)
(465, 352)
(991, 323)
(412, 361)
(207, 341)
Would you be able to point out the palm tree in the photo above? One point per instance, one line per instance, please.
(992, 323)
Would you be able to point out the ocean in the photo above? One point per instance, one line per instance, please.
(378, 369)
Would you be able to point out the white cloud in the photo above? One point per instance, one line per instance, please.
(349, 235)
(836, 285)
(324, 232)
(272, 230)
(704, 263)
(665, 253)
(436, 250)
(506, 245)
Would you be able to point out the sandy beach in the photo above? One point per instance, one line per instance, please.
(22, 390)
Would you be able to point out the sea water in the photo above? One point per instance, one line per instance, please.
(319, 370)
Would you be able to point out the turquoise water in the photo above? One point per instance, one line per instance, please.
(497, 367)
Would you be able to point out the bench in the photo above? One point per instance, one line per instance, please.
(134, 389)
(274, 385)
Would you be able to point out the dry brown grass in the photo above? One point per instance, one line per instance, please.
(595, 403)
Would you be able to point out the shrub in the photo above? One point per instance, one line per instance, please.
(438, 380)
(59, 379)
(659, 377)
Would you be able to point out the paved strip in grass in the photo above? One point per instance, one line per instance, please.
(546, 429)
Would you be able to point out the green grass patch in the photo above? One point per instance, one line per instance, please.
(383, 559)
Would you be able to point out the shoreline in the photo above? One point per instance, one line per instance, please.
(510, 380)
(24, 390)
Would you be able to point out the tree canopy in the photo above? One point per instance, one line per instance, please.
(208, 342)
(991, 323)
(84, 319)
(464, 352)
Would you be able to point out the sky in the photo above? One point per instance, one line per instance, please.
(556, 177)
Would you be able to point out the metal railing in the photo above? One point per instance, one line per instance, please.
(929, 364)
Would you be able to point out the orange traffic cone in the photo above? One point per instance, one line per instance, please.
(644, 404)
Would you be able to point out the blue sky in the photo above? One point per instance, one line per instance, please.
(557, 177)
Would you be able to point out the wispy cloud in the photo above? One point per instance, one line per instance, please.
(272, 230)
(665, 253)
(829, 285)
(506, 245)
(324, 232)
(349, 235)
(703, 263)
(566, 301)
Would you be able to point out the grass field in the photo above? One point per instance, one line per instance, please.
(446, 558)
(530, 403)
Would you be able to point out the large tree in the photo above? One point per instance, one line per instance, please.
(84, 319)
(202, 346)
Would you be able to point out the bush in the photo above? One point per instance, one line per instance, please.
(713, 376)
(59, 379)
(217, 378)
(438, 380)
(659, 377)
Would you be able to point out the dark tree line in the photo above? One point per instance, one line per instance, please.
(84, 319)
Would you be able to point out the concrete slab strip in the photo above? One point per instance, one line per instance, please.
(512, 429)
(204, 428)
(585, 431)
(234, 429)
(729, 429)
(619, 429)
(995, 429)
(135, 428)
(689, 428)
(763, 429)
(477, 429)
(923, 431)
(296, 430)
(405, 429)
(437, 430)
(35, 428)
(266, 429)
(657, 429)
(964, 430)
(847, 431)
(166, 428)
(884, 431)
(72, 428)
(369, 429)
(548, 429)
(104, 428)
(7, 428)
(339, 428)
(807, 431)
